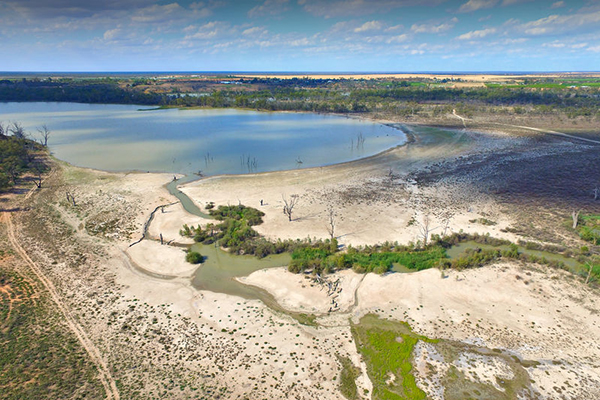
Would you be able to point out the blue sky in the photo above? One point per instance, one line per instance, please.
(299, 35)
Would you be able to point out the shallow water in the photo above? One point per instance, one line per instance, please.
(214, 141)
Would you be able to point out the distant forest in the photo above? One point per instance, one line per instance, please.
(316, 95)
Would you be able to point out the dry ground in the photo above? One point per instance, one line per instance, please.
(161, 338)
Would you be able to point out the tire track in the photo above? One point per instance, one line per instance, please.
(106, 378)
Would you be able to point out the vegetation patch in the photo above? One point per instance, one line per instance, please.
(387, 348)
(39, 360)
(348, 377)
(193, 257)
(589, 228)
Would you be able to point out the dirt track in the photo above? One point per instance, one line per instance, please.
(104, 374)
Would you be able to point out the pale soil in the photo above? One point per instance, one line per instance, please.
(303, 293)
(170, 222)
(164, 339)
(159, 259)
(532, 312)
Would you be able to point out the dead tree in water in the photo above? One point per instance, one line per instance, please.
(289, 205)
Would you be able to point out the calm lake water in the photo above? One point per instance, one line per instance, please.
(214, 141)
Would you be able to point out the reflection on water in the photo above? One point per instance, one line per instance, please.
(120, 137)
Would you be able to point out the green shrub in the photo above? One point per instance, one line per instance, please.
(193, 257)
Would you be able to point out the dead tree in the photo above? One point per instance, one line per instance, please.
(38, 169)
(45, 132)
(446, 222)
(331, 222)
(596, 193)
(575, 216)
(17, 130)
(425, 229)
(591, 267)
(289, 204)
(71, 198)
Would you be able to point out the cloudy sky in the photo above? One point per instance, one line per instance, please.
(299, 35)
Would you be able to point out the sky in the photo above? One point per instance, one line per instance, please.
(300, 35)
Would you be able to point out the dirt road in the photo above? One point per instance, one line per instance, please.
(104, 374)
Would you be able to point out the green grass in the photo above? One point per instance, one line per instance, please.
(39, 359)
(387, 347)
(348, 377)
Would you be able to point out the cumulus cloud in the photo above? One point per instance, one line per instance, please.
(72, 8)
(557, 4)
(210, 30)
(369, 26)
(561, 24)
(269, 7)
(157, 13)
(254, 31)
(341, 8)
(479, 34)
(474, 5)
(434, 27)
(511, 2)
(595, 49)
(398, 39)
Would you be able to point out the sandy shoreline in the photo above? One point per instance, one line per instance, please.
(153, 326)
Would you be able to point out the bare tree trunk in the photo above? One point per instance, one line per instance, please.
(575, 215)
(596, 193)
(331, 222)
(45, 132)
(587, 280)
(289, 204)
(425, 229)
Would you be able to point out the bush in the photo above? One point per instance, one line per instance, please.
(193, 257)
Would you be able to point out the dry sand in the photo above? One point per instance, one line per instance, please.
(155, 328)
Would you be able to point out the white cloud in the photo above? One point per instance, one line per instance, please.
(511, 2)
(157, 13)
(480, 34)
(210, 30)
(112, 34)
(595, 49)
(558, 4)
(72, 8)
(254, 31)
(394, 28)
(339, 8)
(369, 26)
(433, 27)
(474, 5)
(398, 39)
(269, 7)
(561, 24)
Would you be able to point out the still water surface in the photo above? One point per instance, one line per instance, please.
(214, 141)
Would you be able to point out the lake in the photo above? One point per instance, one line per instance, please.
(214, 141)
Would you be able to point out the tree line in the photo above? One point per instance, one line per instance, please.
(20, 154)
